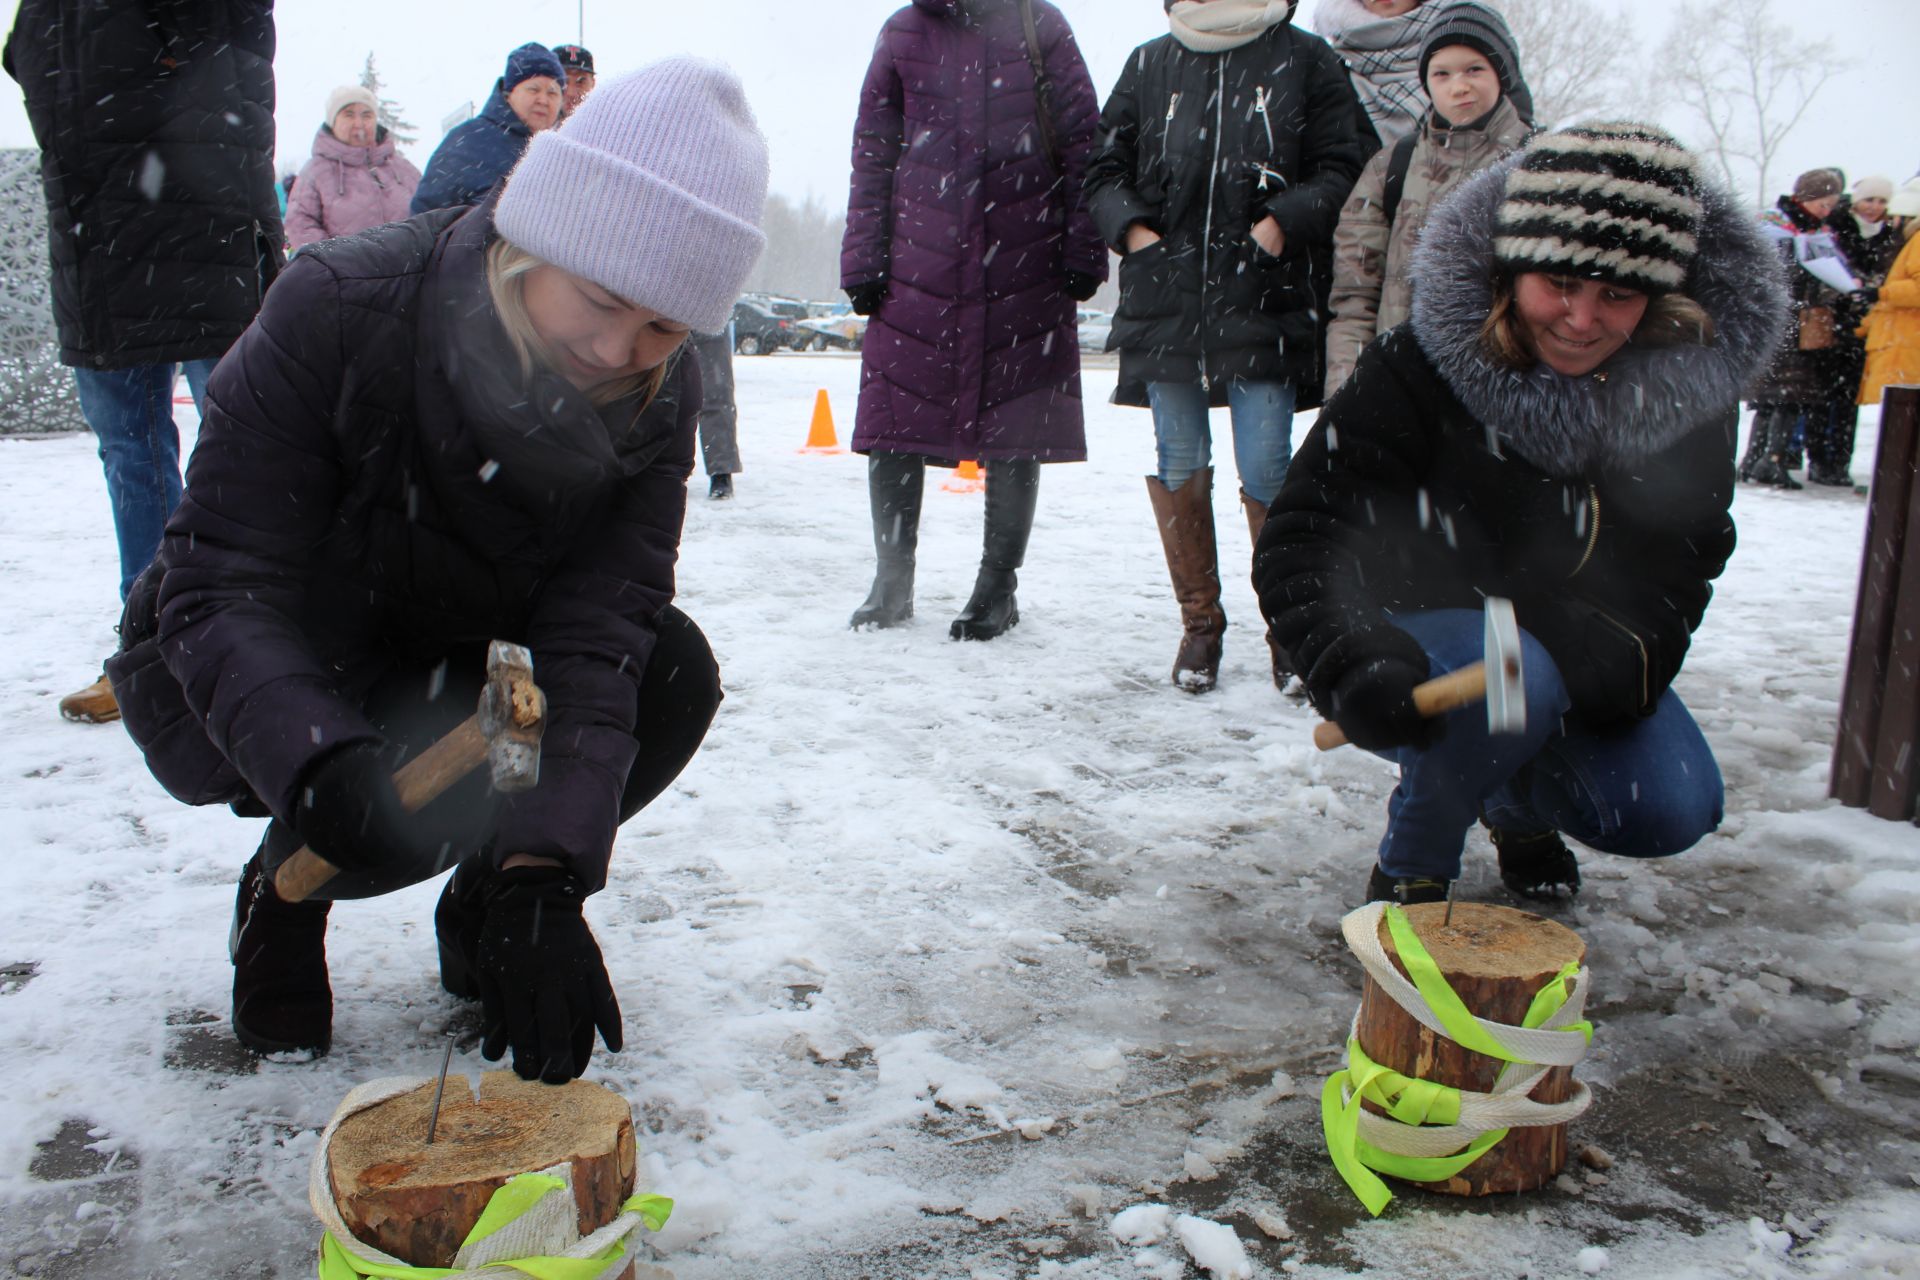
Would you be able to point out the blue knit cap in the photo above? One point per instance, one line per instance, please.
(531, 60)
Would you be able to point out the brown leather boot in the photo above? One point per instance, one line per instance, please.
(1185, 518)
(94, 704)
(1256, 520)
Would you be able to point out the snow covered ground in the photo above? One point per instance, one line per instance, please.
(940, 956)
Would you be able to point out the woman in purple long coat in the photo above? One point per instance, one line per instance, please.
(968, 242)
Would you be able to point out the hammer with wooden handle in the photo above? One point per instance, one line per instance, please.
(504, 732)
(1504, 691)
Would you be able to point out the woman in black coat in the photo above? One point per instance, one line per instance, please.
(1226, 150)
(1554, 426)
(471, 426)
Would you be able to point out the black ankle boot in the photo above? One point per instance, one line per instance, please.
(1539, 867)
(1405, 890)
(457, 920)
(282, 1002)
(1772, 473)
(1013, 491)
(895, 484)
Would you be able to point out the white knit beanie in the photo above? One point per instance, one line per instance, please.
(349, 93)
(1873, 187)
(653, 189)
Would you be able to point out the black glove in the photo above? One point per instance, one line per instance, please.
(350, 814)
(1866, 296)
(1080, 286)
(866, 298)
(543, 985)
(1373, 705)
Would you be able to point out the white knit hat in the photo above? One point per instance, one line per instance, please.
(652, 189)
(345, 94)
(1873, 187)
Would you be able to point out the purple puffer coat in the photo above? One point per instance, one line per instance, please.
(957, 207)
(346, 189)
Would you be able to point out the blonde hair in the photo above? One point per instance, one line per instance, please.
(1671, 320)
(507, 268)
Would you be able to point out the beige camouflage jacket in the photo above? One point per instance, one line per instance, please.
(1372, 291)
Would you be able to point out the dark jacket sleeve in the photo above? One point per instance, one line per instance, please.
(1622, 627)
(1076, 122)
(878, 133)
(461, 169)
(592, 632)
(1331, 154)
(1111, 196)
(262, 489)
(1355, 477)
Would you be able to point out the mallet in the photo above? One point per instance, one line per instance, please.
(1504, 691)
(504, 732)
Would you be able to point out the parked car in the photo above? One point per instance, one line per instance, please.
(759, 330)
(834, 332)
(1094, 326)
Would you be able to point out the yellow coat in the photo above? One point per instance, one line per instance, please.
(1893, 328)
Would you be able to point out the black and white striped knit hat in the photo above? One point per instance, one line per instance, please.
(1616, 201)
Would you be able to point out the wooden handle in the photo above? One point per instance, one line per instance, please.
(1441, 694)
(418, 781)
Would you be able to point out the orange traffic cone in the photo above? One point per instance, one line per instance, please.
(820, 437)
(966, 478)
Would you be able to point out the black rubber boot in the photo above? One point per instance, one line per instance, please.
(895, 484)
(1013, 491)
(1539, 867)
(1772, 469)
(1405, 890)
(282, 1002)
(456, 927)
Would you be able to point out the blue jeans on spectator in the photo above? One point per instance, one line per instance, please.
(1646, 789)
(1262, 414)
(131, 411)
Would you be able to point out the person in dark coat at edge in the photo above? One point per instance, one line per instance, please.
(1805, 390)
(155, 125)
(477, 153)
(968, 243)
(1555, 426)
(1227, 148)
(1860, 231)
(472, 425)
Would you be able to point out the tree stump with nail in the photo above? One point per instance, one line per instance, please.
(1496, 960)
(418, 1201)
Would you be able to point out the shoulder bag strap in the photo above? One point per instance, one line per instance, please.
(1042, 86)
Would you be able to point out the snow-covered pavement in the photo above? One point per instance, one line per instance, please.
(938, 956)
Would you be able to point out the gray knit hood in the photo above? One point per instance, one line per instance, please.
(1649, 397)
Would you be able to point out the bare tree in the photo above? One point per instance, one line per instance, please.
(803, 249)
(1746, 81)
(1572, 55)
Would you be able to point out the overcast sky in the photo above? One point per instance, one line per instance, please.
(802, 62)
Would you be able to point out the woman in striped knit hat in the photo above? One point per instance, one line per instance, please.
(1555, 426)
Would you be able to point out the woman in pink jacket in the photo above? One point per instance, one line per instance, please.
(355, 179)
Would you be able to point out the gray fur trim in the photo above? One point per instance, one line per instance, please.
(1651, 397)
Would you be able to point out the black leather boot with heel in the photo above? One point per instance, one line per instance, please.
(895, 485)
(1013, 492)
(282, 1001)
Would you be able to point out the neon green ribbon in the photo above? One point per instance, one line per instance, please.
(505, 1206)
(1414, 1101)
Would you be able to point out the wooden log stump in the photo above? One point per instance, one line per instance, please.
(418, 1201)
(1496, 959)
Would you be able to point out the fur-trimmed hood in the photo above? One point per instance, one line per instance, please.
(1640, 402)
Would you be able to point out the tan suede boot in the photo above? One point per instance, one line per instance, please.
(94, 704)
(1256, 520)
(1185, 518)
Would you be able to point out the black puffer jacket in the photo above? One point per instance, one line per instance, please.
(375, 485)
(1598, 505)
(155, 123)
(1199, 147)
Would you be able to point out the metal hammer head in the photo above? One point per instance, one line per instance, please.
(1506, 690)
(513, 714)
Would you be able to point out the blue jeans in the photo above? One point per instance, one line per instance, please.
(131, 411)
(1646, 789)
(1262, 414)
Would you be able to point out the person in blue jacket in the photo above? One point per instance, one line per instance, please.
(477, 153)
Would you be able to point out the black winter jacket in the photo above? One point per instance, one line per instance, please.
(1598, 505)
(374, 484)
(1199, 147)
(155, 124)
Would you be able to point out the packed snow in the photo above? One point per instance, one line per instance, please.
(985, 960)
